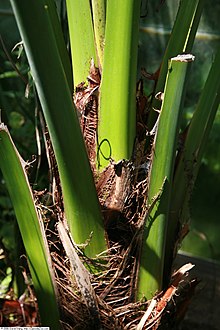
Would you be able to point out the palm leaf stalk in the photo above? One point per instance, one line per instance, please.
(181, 41)
(186, 32)
(64, 56)
(190, 157)
(31, 228)
(161, 173)
(99, 12)
(117, 113)
(79, 194)
(82, 39)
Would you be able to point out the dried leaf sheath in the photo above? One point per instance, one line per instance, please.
(113, 188)
(86, 101)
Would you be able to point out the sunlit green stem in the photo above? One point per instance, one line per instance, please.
(164, 151)
(193, 148)
(82, 39)
(118, 87)
(99, 12)
(181, 41)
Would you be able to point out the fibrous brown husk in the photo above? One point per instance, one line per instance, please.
(111, 278)
(117, 308)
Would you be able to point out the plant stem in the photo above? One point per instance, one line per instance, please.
(181, 41)
(118, 87)
(82, 39)
(13, 169)
(164, 151)
(99, 12)
(192, 151)
(80, 199)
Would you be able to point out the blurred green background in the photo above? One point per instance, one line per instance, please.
(18, 112)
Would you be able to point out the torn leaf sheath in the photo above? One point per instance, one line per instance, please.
(113, 188)
(86, 102)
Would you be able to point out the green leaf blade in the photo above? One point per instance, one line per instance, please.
(16, 180)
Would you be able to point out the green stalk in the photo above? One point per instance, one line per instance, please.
(82, 39)
(181, 40)
(80, 200)
(64, 56)
(182, 36)
(191, 156)
(99, 12)
(118, 87)
(13, 169)
(164, 150)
